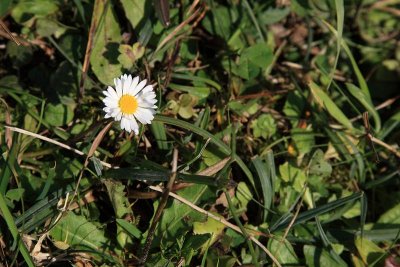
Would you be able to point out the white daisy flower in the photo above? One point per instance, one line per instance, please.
(131, 100)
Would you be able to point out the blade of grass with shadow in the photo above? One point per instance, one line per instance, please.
(312, 213)
(265, 175)
(7, 216)
(221, 145)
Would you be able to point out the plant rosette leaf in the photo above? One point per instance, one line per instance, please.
(77, 232)
(264, 126)
(210, 226)
(120, 203)
(130, 54)
(178, 217)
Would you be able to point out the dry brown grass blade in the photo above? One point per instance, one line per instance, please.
(97, 140)
(214, 168)
(44, 138)
(177, 29)
(93, 147)
(89, 47)
(387, 146)
(9, 33)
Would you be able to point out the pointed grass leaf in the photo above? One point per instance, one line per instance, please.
(312, 213)
(327, 103)
(360, 78)
(162, 11)
(11, 225)
(364, 100)
(265, 179)
(158, 130)
(129, 228)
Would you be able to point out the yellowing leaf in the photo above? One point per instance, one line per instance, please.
(368, 250)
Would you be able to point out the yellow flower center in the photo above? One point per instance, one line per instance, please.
(128, 104)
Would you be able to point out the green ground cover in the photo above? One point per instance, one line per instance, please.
(260, 152)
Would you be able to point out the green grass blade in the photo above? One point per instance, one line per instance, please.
(326, 102)
(129, 228)
(6, 214)
(156, 176)
(197, 79)
(266, 184)
(366, 102)
(159, 133)
(253, 19)
(312, 213)
(339, 25)
(364, 209)
(360, 78)
(380, 181)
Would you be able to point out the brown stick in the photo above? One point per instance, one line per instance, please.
(89, 47)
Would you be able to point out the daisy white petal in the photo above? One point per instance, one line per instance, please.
(130, 100)
(134, 83)
(144, 115)
(127, 81)
(139, 87)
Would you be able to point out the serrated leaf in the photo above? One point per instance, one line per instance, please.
(303, 139)
(178, 218)
(79, 233)
(15, 194)
(130, 54)
(283, 251)
(120, 203)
